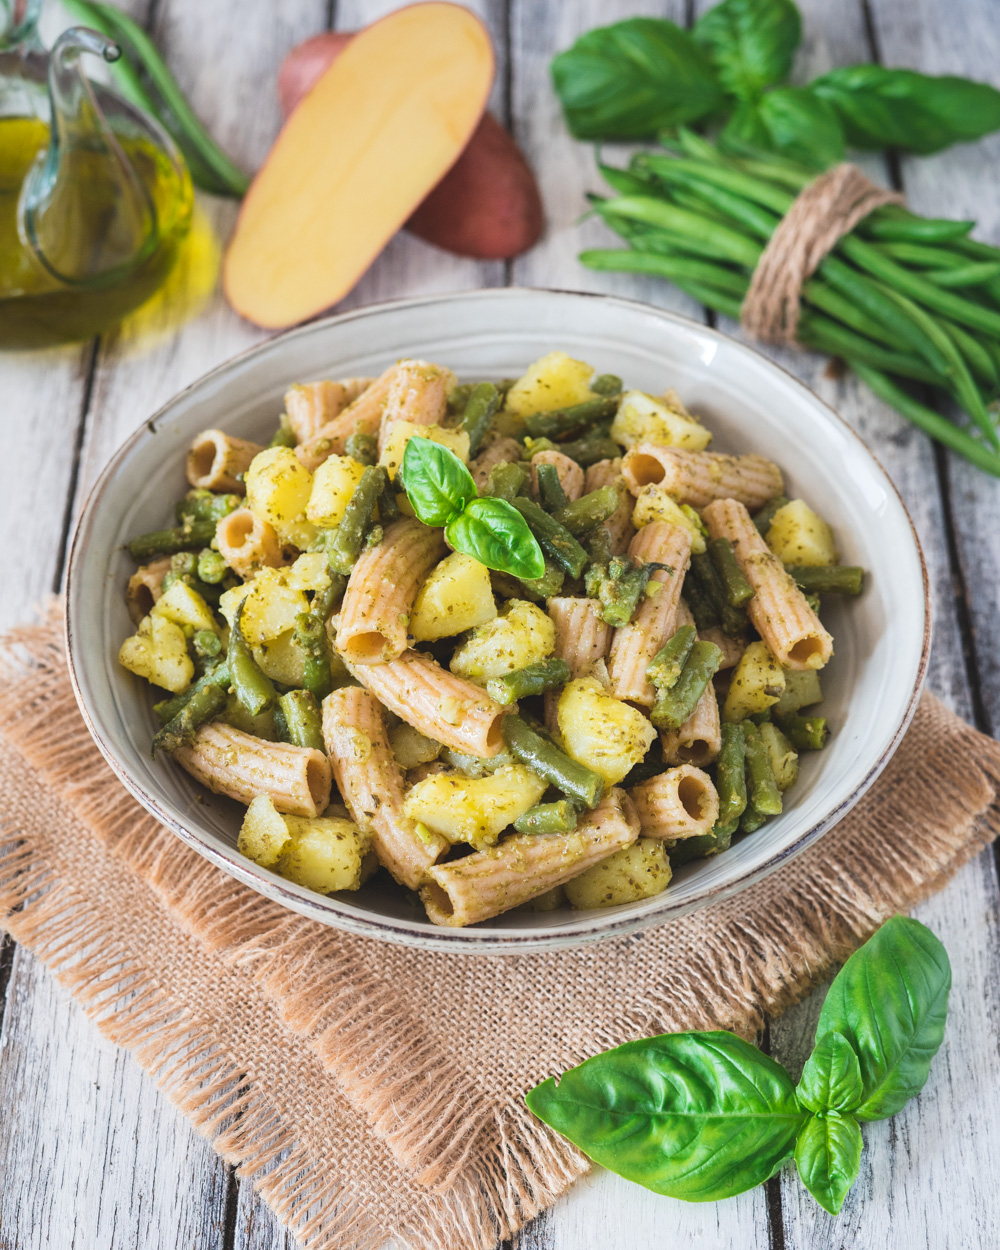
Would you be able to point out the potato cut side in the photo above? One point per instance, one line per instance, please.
(379, 129)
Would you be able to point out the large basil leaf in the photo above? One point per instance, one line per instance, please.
(828, 1156)
(437, 483)
(831, 1078)
(493, 532)
(751, 43)
(699, 1116)
(629, 80)
(789, 120)
(890, 1001)
(900, 108)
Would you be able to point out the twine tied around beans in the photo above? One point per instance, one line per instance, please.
(823, 212)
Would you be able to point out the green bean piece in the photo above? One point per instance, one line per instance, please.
(300, 721)
(735, 586)
(345, 542)
(506, 481)
(218, 675)
(730, 776)
(706, 578)
(310, 636)
(591, 448)
(203, 705)
(374, 537)
(805, 733)
(324, 601)
(253, 688)
(752, 819)
(802, 689)
(813, 601)
(362, 447)
(477, 417)
(619, 586)
(650, 766)
(555, 540)
(563, 421)
(534, 588)
(204, 505)
(183, 564)
(590, 510)
(765, 516)
(283, 437)
(702, 608)
(762, 789)
(783, 756)
(459, 397)
(598, 545)
(575, 780)
(551, 495)
(702, 847)
(828, 579)
(186, 537)
(666, 666)
(608, 384)
(211, 567)
(531, 680)
(206, 644)
(675, 704)
(558, 817)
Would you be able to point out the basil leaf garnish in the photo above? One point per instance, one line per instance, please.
(437, 483)
(792, 121)
(828, 1158)
(693, 1115)
(831, 1078)
(493, 532)
(890, 1001)
(751, 43)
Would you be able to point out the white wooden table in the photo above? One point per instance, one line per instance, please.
(91, 1156)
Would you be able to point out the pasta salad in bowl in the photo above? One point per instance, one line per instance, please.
(494, 658)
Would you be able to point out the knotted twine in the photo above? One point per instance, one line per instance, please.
(822, 213)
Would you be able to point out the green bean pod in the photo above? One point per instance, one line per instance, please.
(702, 608)
(762, 789)
(730, 776)
(300, 720)
(205, 505)
(828, 579)
(805, 733)
(558, 817)
(591, 448)
(533, 679)
(310, 636)
(590, 510)
(388, 508)
(218, 675)
(551, 495)
(705, 577)
(607, 384)
(734, 585)
(675, 704)
(704, 846)
(666, 666)
(563, 421)
(345, 542)
(253, 687)
(752, 819)
(575, 780)
(283, 437)
(202, 706)
(506, 481)
(535, 588)
(187, 537)
(362, 447)
(459, 397)
(478, 413)
(555, 540)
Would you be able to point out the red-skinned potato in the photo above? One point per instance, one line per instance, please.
(487, 206)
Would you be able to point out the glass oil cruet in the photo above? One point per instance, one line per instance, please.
(95, 199)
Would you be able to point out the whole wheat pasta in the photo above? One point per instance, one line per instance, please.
(680, 803)
(499, 451)
(698, 477)
(523, 866)
(363, 416)
(619, 523)
(418, 392)
(215, 460)
(371, 783)
(569, 472)
(582, 637)
(240, 766)
(635, 644)
(446, 708)
(144, 588)
(731, 648)
(778, 610)
(699, 739)
(247, 543)
(381, 590)
(310, 405)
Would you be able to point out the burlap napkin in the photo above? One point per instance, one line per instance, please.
(373, 1091)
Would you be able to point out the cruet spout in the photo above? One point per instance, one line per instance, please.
(85, 214)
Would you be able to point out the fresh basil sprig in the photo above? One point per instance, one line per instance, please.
(704, 1116)
(751, 43)
(441, 491)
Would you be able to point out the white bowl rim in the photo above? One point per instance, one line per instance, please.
(477, 940)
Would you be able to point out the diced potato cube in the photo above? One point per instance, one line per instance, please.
(325, 854)
(158, 651)
(784, 758)
(400, 433)
(271, 606)
(186, 608)
(334, 483)
(802, 689)
(797, 535)
(598, 730)
(654, 504)
(521, 634)
(311, 571)
(278, 489)
(282, 659)
(455, 596)
(551, 900)
(641, 870)
(641, 418)
(757, 683)
(264, 833)
(555, 381)
(411, 747)
(475, 810)
(230, 600)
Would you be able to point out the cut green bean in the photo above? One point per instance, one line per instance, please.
(598, 546)
(186, 537)
(675, 704)
(551, 495)
(459, 396)
(300, 719)
(506, 481)
(480, 409)
(607, 384)
(218, 675)
(704, 846)
(203, 705)
(735, 586)
(702, 608)
(619, 586)
(555, 540)
(558, 817)
(730, 776)
(388, 508)
(345, 542)
(802, 689)
(362, 447)
(762, 789)
(533, 679)
(705, 577)
(805, 733)
(253, 687)
(575, 780)
(765, 516)
(590, 510)
(752, 819)
(665, 668)
(311, 638)
(534, 588)
(828, 579)
(563, 421)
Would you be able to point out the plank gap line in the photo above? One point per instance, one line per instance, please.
(231, 1209)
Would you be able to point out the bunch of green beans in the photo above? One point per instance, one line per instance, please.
(906, 301)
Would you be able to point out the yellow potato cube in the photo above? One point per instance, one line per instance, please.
(641, 870)
(186, 608)
(654, 504)
(230, 600)
(264, 833)
(278, 489)
(325, 854)
(158, 651)
(797, 535)
(411, 747)
(455, 596)
(641, 418)
(282, 659)
(555, 381)
(400, 433)
(521, 634)
(598, 730)
(334, 482)
(271, 605)
(311, 571)
(475, 810)
(758, 681)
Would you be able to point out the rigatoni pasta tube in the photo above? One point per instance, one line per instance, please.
(311, 405)
(441, 705)
(216, 461)
(731, 648)
(778, 610)
(582, 637)
(500, 451)
(145, 587)
(371, 782)
(523, 866)
(680, 803)
(635, 644)
(569, 472)
(240, 766)
(418, 392)
(619, 523)
(698, 477)
(381, 589)
(363, 416)
(247, 543)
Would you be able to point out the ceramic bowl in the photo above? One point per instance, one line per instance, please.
(882, 639)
